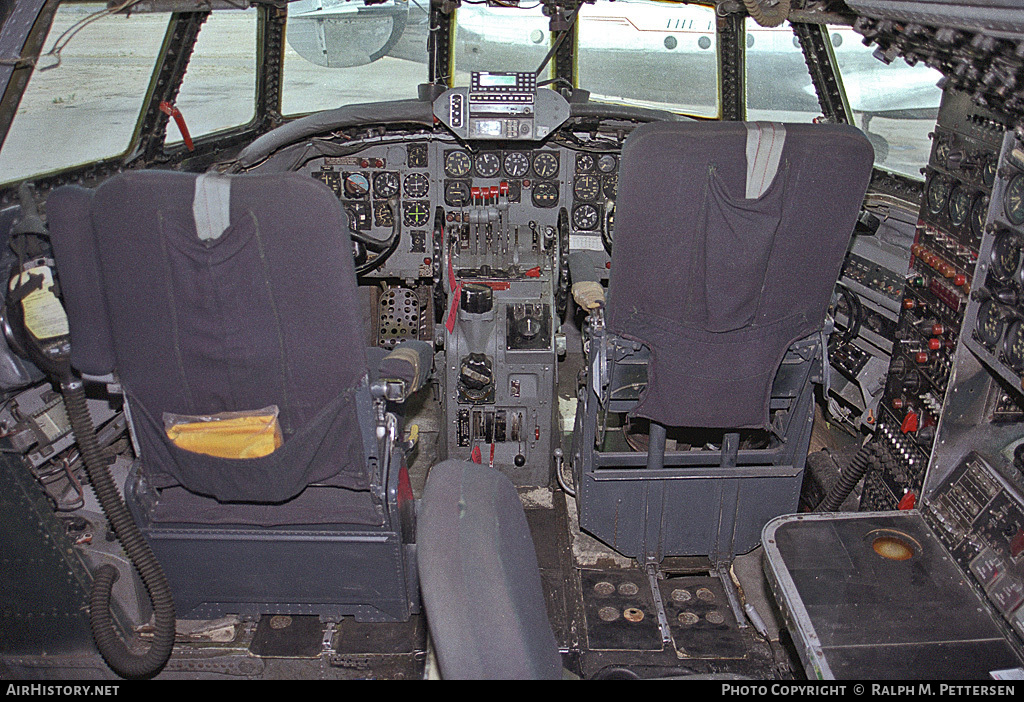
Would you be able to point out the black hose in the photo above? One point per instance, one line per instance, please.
(848, 479)
(387, 247)
(117, 655)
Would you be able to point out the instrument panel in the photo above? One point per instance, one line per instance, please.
(416, 186)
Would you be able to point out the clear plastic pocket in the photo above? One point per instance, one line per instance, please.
(248, 434)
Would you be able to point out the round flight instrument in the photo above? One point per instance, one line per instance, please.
(456, 194)
(487, 164)
(386, 184)
(517, 164)
(988, 172)
(1006, 255)
(1013, 346)
(991, 323)
(416, 214)
(356, 185)
(941, 152)
(457, 164)
(417, 185)
(585, 217)
(382, 214)
(959, 205)
(584, 163)
(607, 163)
(586, 187)
(937, 194)
(979, 211)
(544, 194)
(545, 164)
(1013, 199)
(611, 185)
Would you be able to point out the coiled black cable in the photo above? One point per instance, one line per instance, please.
(117, 655)
(848, 479)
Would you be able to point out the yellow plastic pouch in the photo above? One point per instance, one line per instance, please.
(251, 434)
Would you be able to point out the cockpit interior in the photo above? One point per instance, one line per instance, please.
(512, 339)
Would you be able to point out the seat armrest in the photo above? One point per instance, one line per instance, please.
(406, 369)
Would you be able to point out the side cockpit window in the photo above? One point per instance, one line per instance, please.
(86, 106)
(895, 105)
(219, 88)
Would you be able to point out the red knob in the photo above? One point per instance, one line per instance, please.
(938, 330)
(935, 344)
(959, 280)
(907, 502)
(921, 357)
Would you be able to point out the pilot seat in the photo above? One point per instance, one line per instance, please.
(202, 294)
(695, 413)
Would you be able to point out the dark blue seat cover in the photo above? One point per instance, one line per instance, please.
(717, 284)
(264, 314)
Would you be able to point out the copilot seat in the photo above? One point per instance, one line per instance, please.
(695, 416)
(208, 294)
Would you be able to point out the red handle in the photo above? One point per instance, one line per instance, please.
(172, 111)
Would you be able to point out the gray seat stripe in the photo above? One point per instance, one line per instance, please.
(211, 206)
(764, 150)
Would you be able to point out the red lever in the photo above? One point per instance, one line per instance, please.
(171, 111)
(908, 501)
(910, 422)
(533, 272)
(405, 494)
(449, 323)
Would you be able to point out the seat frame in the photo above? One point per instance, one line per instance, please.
(330, 570)
(711, 503)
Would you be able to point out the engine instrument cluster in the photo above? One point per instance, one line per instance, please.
(996, 310)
